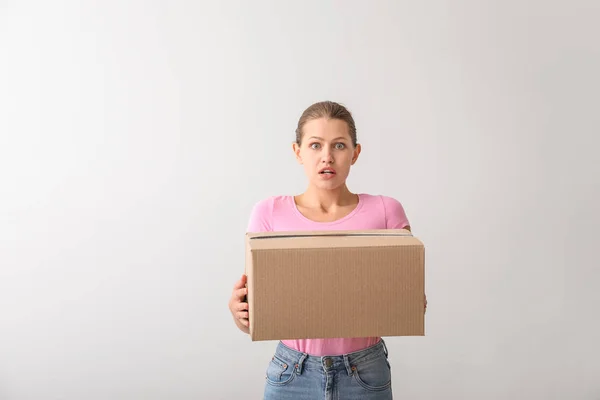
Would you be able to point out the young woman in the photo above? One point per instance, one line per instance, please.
(349, 368)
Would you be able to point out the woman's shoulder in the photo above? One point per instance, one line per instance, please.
(261, 216)
(380, 199)
(269, 202)
(391, 208)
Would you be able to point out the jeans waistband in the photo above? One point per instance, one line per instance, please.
(338, 362)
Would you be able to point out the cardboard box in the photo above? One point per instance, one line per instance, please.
(333, 284)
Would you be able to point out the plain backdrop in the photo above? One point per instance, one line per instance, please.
(135, 137)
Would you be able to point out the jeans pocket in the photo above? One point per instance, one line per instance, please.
(279, 372)
(374, 375)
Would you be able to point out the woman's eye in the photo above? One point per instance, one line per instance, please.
(339, 146)
(314, 146)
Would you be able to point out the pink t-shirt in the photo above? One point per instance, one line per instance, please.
(279, 213)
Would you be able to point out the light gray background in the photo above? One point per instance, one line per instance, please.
(137, 135)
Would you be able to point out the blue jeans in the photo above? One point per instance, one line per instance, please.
(364, 375)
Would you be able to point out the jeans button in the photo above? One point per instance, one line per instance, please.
(328, 362)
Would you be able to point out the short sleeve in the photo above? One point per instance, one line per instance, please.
(260, 216)
(395, 217)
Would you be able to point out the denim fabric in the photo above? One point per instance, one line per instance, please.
(364, 375)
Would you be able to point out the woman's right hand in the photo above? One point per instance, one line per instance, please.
(238, 307)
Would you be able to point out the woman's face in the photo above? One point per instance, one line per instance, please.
(326, 152)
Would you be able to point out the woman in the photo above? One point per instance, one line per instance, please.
(348, 368)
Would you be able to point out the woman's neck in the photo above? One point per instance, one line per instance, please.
(327, 199)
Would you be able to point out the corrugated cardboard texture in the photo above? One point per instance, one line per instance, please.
(335, 284)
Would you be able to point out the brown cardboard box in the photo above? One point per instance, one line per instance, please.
(331, 284)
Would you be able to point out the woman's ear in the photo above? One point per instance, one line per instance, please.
(356, 153)
(296, 150)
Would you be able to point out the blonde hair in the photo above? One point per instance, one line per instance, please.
(329, 110)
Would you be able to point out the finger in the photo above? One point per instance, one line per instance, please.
(240, 283)
(240, 293)
(241, 307)
(242, 315)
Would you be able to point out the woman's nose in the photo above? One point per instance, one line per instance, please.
(327, 158)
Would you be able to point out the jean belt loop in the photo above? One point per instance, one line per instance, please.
(347, 364)
(385, 350)
(301, 363)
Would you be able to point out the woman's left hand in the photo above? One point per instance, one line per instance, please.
(425, 299)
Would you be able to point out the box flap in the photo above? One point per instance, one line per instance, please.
(344, 233)
(330, 239)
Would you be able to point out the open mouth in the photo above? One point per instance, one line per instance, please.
(327, 171)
